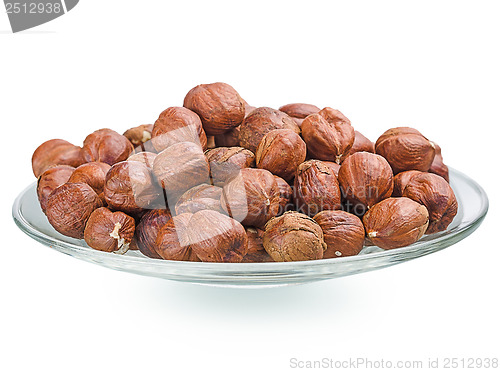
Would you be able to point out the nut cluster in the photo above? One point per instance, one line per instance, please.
(219, 180)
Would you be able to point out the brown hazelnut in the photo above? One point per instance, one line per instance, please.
(405, 149)
(178, 124)
(299, 110)
(401, 180)
(252, 197)
(436, 194)
(107, 146)
(438, 166)
(281, 151)
(216, 237)
(70, 206)
(226, 162)
(286, 195)
(361, 143)
(328, 135)
(316, 188)
(228, 139)
(93, 174)
(219, 106)
(199, 198)
(145, 157)
(365, 178)
(56, 152)
(181, 167)
(333, 166)
(147, 231)
(261, 121)
(140, 137)
(256, 251)
(50, 180)
(109, 232)
(172, 241)
(395, 222)
(293, 237)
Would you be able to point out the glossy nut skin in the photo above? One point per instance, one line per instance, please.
(343, 232)
(256, 251)
(109, 232)
(172, 241)
(361, 143)
(55, 152)
(405, 149)
(261, 121)
(50, 180)
(93, 174)
(70, 206)
(286, 195)
(293, 237)
(199, 198)
(366, 178)
(281, 151)
(140, 137)
(107, 146)
(145, 157)
(436, 194)
(395, 222)
(438, 166)
(401, 180)
(216, 237)
(252, 197)
(328, 135)
(299, 110)
(219, 106)
(316, 188)
(148, 228)
(228, 139)
(178, 124)
(226, 162)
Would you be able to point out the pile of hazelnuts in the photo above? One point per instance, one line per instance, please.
(218, 180)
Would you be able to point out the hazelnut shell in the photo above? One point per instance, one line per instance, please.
(172, 241)
(50, 180)
(226, 162)
(148, 228)
(107, 146)
(56, 152)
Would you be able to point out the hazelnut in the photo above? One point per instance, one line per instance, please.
(405, 149)
(261, 121)
(181, 167)
(281, 151)
(256, 251)
(147, 231)
(401, 180)
(299, 110)
(70, 206)
(343, 233)
(199, 198)
(365, 178)
(436, 194)
(333, 166)
(107, 146)
(93, 174)
(438, 166)
(395, 222)
(50, 180)
(216, 237)
(109, 232)
(219, 106)
(178, 124)
(293, 237)
(252, 197)
(56, 152)
(172, 241)
(328, 135)
(211, 142)
(145, 157)
(316, 188)
(140, 137)
(286, 194)
(228, 139)
(226, 162)
(361, 143)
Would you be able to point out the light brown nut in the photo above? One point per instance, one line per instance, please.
(199, 198)
(401, 180)
(56, 152)
(396, 222)
(438, 166)
(50, 180)
(226, 162)
(299, 110)
(256, 251)
(145, 157)
(147, 231)
(172, 242)
(140, 137)
(361, 143)
(107, 146)
(93, 174)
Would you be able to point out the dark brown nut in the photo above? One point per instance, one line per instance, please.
(365, 178)
(405, 149)
(401, 180)
(219, 106)
(216, 237)
(286, 195)
(181, 167)
(226, 162)
(436, 194)
(333, 166)
(145, 157)
(281, 151)
(228, 139)
(178, 124)
(148, 228)
(109, 232)
(361, 143)
(130, 188)
(316, 188)
(395, 222)
(172, 242)
(294, 237)
(328, 135)
(261, 121)
(299, 110)
(343, 233)
(93, 174)
(256, 251)
(438, 166)
(56, 152)
(70, 206)
(199, 198)
(107, 146)
(140, 137)
(252, 197)
(50, 180)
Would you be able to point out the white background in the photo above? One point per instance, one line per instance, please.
(431, 65)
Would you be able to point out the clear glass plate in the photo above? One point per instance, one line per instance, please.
(473, 206)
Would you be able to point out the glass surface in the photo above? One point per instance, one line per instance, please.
(473, 206)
